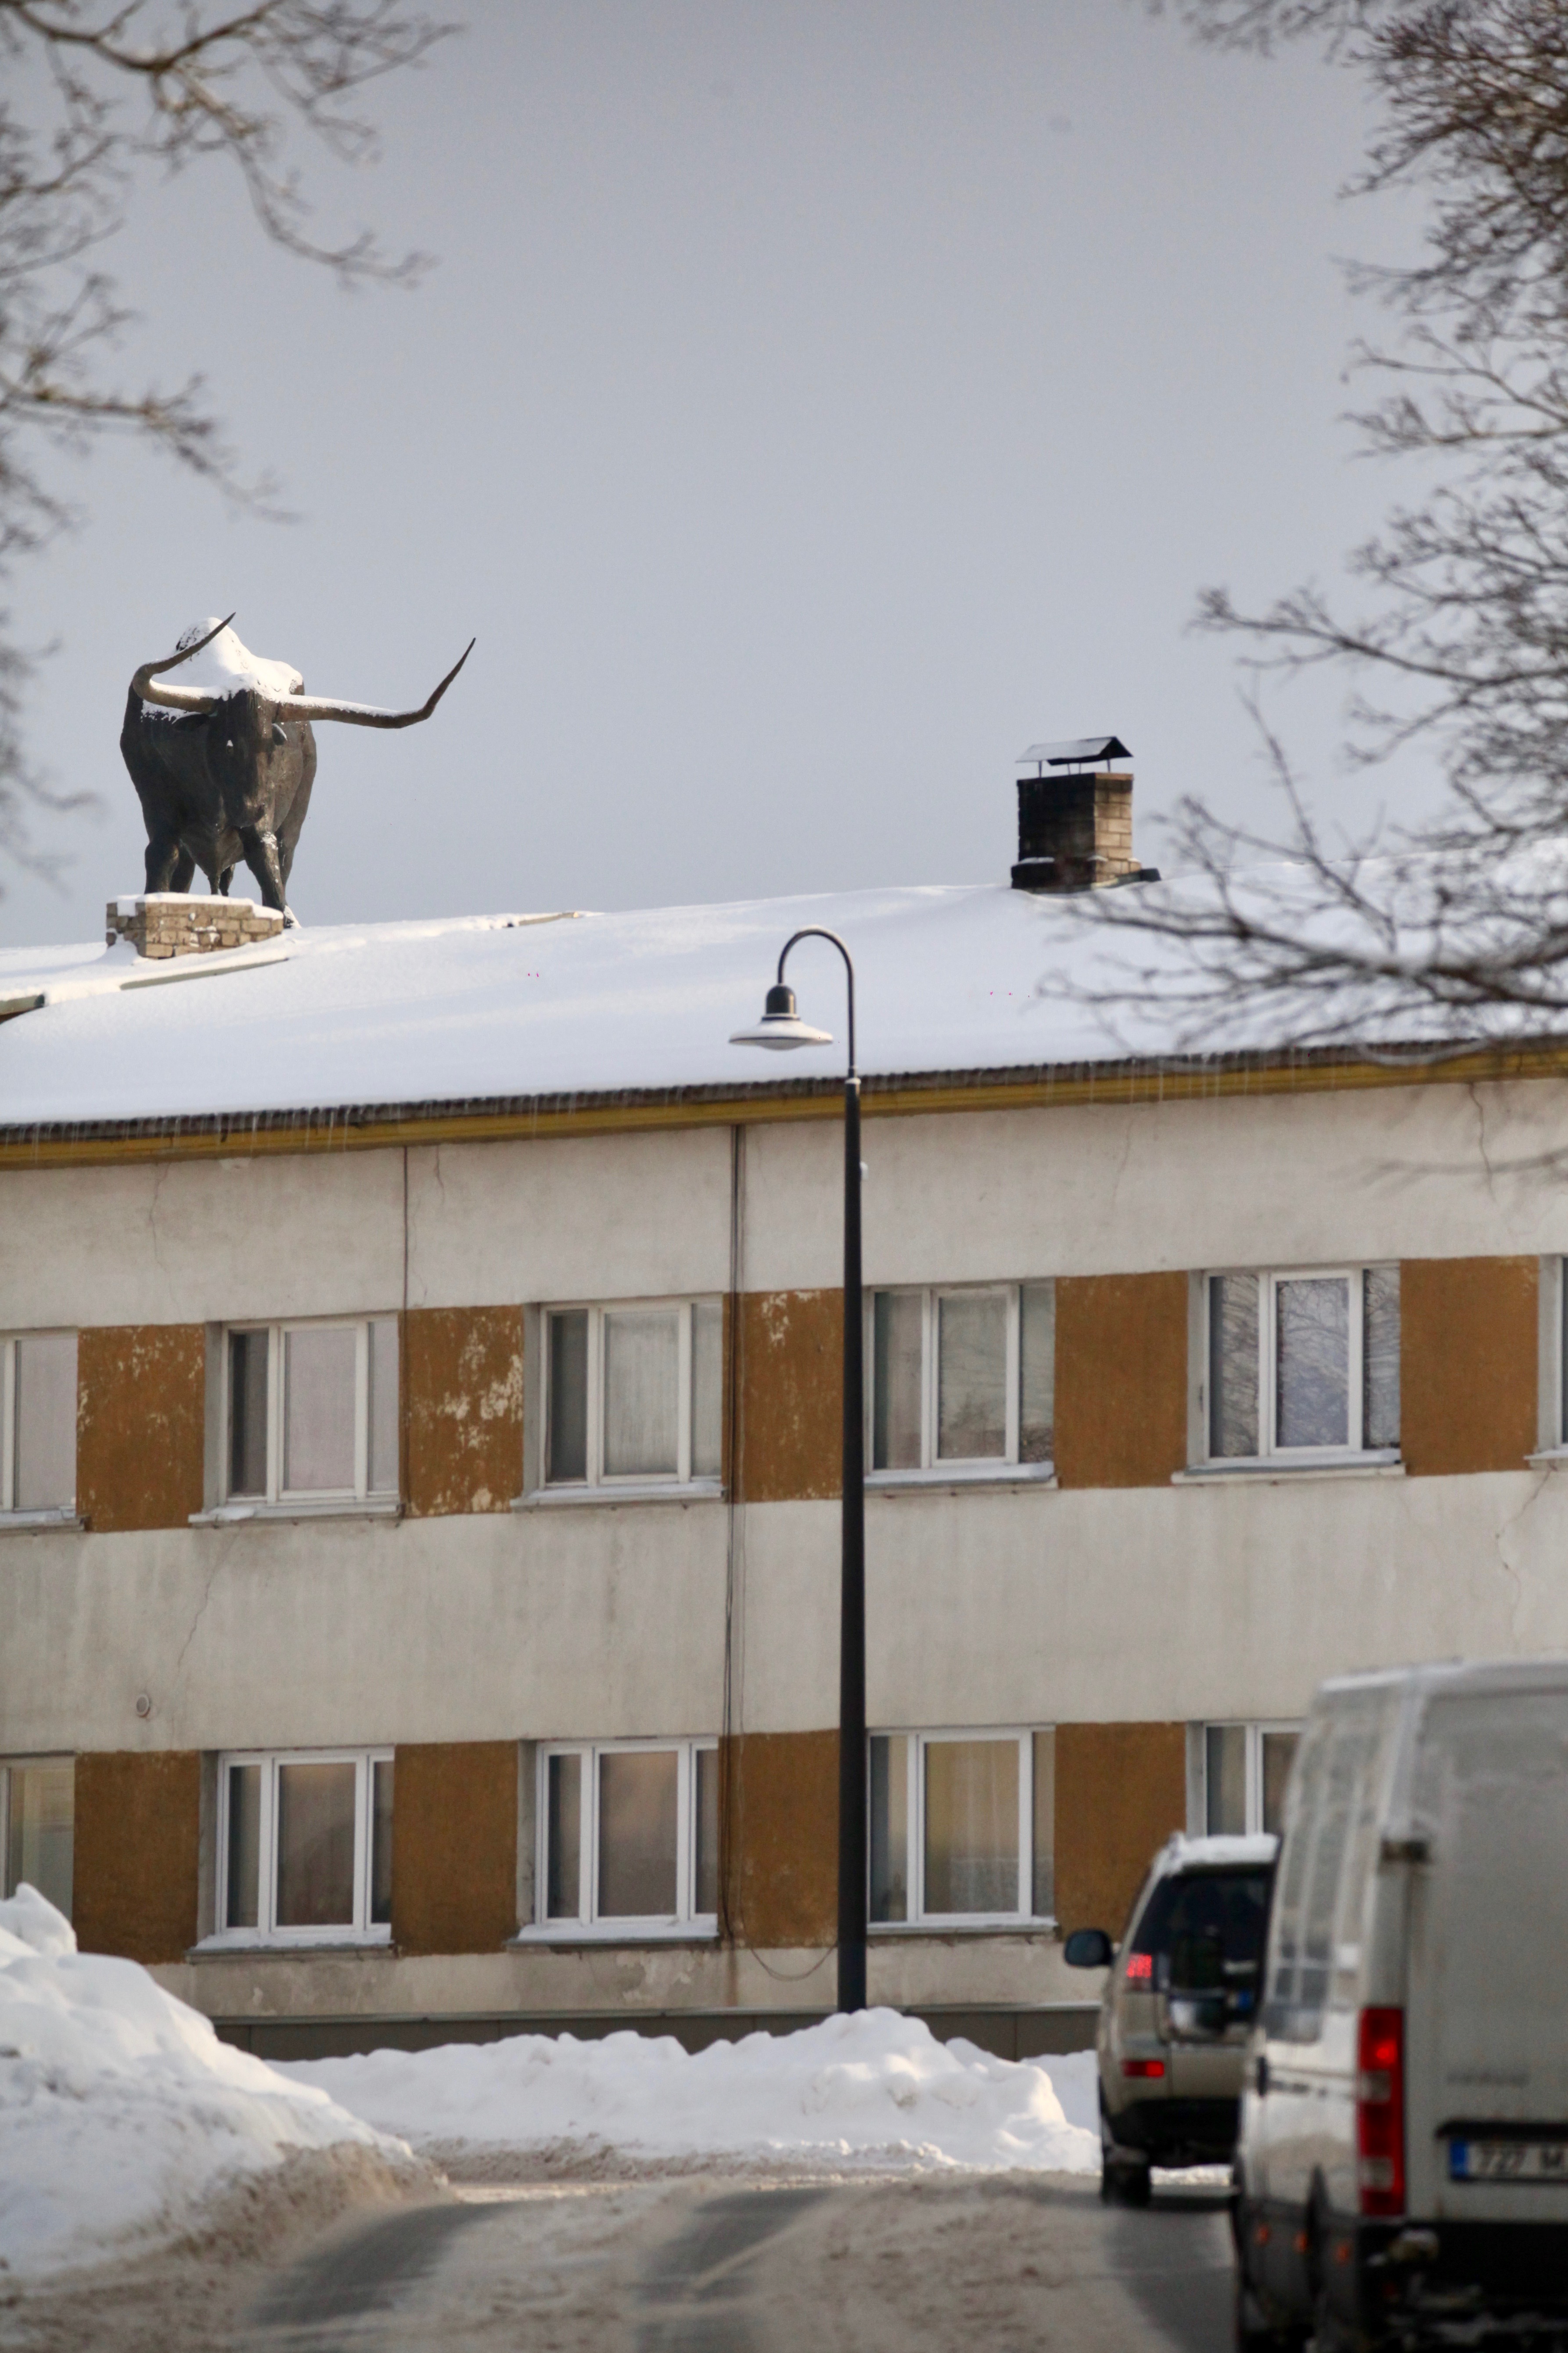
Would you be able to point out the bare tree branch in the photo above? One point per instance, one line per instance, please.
(1458, 925)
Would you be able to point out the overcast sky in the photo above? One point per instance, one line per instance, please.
(810, 408)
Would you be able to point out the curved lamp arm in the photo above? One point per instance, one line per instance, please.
(815, 932)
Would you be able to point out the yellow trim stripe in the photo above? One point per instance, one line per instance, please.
(1080, 1084)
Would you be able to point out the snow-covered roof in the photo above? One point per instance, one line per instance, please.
(961, 980)
(504, 1007)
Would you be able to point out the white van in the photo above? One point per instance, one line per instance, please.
(1402, 2170)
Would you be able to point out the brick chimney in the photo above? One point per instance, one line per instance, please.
(1074, 826)
(174, 923)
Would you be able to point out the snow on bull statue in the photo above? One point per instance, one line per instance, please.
(224, 768)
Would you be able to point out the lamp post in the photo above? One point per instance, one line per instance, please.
(781, 1028)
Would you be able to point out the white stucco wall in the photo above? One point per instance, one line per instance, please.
(1432, 1171)
(984, 1608)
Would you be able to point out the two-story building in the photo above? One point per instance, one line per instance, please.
(420, 1393)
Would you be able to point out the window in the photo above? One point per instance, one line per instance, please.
(962, 1826)
(37, 1424)
(37, 1824)
(306, 1847)
(628, 1836)
(634, 1396)
(962, 1378)
(1245, 1768)
(1303, 1365)
(311, 1413)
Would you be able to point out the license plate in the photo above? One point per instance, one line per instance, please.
(1509, 2160)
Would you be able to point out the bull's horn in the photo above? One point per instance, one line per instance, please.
(365, 715)
(176, 698)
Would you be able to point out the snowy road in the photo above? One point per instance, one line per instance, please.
(921, 2266)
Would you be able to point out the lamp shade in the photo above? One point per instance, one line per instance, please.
(781, 1026)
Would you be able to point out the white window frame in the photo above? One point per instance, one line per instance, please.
(936, 1470)
(1255, 1729)
(293, 1502)
(1272, 1454)
(919, 1920)
(362, 1930)
(53, 1516)
(20, 1763)
(686, 1922)
(598, 1481)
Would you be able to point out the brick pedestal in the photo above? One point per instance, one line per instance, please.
(174, 923)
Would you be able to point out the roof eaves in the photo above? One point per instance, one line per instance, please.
(479, 1119)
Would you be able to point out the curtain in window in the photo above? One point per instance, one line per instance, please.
(46, 1421)
(1224, 1759)
(39, 1843)
(319, 1409)
(1278, 1756)
(1232, 1365)
(971, 1376)
(641, 1392)
(707, 1389)
(1380, 1350)
(891, 1828)
(896, 1321)
(316, 1845)
(381, 1843)
(638, 1831)
(1044, 1902)
(705, 1834)
(1036, 1373)
(383, 1467)
(972, 1826)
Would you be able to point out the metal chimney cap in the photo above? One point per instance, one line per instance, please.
(1081, 747)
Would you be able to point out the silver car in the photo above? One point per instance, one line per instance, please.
(1178, 2006)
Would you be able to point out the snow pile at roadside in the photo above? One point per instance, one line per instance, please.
(120, 2109)
(877, 2089)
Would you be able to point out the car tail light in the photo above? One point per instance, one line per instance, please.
(1147, 2070)
(1380, 2111)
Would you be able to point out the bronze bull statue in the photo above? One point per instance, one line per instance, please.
(223, 776)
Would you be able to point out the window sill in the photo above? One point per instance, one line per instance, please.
(243, 1944)
(1545, 1458)
(558, 1933)
(32, 1523)
(335, 1507)
(661, 1490)
(1041, 1930)
(953, 1474)
(1279, 1470)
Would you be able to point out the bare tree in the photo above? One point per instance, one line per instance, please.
(1460, 637)
(98, 91)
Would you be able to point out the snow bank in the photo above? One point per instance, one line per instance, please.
(120, 2109)
(878, 2090)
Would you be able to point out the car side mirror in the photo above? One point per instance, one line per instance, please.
(1088, 1948)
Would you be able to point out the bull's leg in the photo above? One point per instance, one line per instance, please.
(223, 880)
(164, 856)
(259, 848)
(184, 868)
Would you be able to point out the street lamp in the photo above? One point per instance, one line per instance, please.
(781, 1028)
